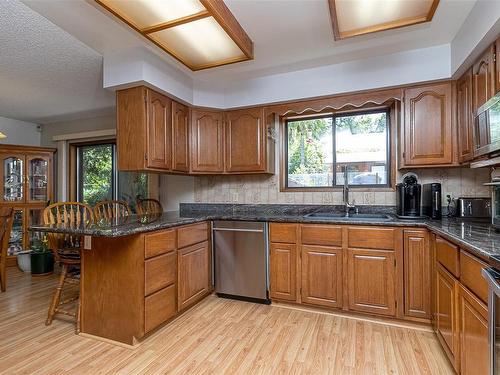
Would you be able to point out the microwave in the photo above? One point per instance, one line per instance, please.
(487, 128)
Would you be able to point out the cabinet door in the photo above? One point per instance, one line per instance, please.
(417, 277)
(180, 137)
(446, 313)
(192, 274)
(371, 281)
(465, 117)
(322, 276)
(483, 72)
(474, 348)
(283, 271)
(159, 138)
(207, 142)
(428, 125)
(39, 181)
(13, 178)
(245, 140)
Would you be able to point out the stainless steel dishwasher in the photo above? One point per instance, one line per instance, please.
(241, 260)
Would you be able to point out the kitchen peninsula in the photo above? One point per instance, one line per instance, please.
(142, 271)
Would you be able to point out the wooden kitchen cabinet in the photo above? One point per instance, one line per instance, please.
(446, 314)
(473, 326)
(427, 126)
(144, 130)
(322, 276)
(207, 141)
(180, 137)
(245, 140)
(417, 274)
(283, 271)
(465, 118)
(371, 281)
(193, 265)
(484, 81)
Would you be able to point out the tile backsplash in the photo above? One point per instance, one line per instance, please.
(458, 182)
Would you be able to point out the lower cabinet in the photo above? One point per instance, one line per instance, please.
(193, 264)
(417, 274)
(283, 271)
(371, 281)
(159, 307)
(473, 325)
(322, 276)
(446, 313)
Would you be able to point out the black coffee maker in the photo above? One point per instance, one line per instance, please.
(408, 195)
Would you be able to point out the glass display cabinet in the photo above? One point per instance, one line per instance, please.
(26, 184)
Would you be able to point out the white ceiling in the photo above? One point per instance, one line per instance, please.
(49, 72)
(45, 72)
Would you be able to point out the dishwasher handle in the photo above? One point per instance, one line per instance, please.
(238, 230)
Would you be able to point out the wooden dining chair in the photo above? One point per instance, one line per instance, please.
(6, 219)
(111, 209)
(149, 206)
(66, 250)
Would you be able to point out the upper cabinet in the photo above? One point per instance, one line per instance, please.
(207, 141)
(484, 83)
(245, 140)
(465, 119)
(180, 137)
(143, 130)
(427, 126)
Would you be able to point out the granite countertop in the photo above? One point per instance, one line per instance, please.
(476, 236)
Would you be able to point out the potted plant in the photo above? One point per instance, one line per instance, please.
(42, 259)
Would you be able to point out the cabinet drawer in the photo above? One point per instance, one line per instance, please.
(448, 255)
(326, 235)
(470, 275)
(159, 307)
(192, 234)
(159, 272)
(284, 233)
(371, 238)
(159, 243)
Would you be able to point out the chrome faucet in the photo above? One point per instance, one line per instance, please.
(345, 195)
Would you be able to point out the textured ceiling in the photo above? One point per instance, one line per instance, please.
(45, 72)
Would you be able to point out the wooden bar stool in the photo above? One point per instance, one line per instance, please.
(149, 206)
(111, 209)
(66, 249)
(6, 219)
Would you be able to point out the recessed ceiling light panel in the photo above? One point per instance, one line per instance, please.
(199, 33)
(357, 17)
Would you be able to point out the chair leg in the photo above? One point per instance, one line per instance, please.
(57, 295)
(78, 312)
(3, 278)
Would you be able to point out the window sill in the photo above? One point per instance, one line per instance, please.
(370, 189)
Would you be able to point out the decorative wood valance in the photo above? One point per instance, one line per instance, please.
(337, 102)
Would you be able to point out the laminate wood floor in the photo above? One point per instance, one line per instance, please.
(217, 336)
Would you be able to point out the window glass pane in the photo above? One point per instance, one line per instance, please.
(132, 185)
(361, 145)
(310, 153)
(96, 173)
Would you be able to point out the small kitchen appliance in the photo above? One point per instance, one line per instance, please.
(495, 201)
(474, 207)
(408, 194)
(431, 200)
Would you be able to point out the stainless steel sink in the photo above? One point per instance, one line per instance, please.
(351, 217)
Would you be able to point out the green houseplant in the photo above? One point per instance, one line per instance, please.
(42, 259)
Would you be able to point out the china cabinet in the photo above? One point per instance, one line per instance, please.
(26, 183)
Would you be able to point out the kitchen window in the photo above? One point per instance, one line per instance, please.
(317, 149)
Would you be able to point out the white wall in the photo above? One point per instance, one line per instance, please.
(19, 132)
(480, 29)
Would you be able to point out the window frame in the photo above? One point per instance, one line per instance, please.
(390, 147)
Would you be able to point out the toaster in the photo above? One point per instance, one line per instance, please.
(474, 207)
